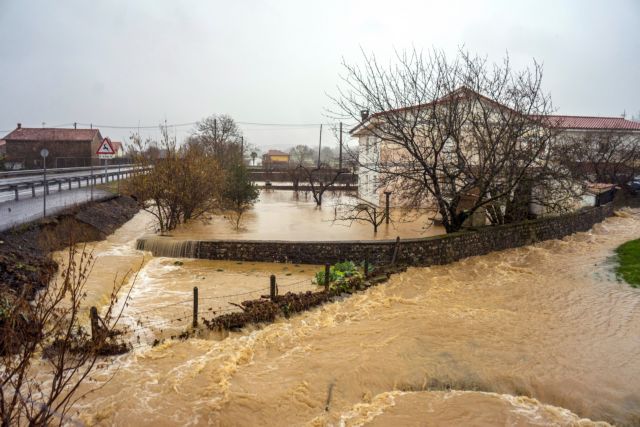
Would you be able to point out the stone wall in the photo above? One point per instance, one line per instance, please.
(424, 251)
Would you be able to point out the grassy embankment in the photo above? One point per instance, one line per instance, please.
(113, 187)
(628, 268)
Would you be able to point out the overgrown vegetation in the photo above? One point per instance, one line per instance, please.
(239, 194)
(47, 338)
(629, 263)
(204, 176)
(340, 275)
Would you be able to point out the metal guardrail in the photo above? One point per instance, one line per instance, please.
(27, 172)
(90, 178)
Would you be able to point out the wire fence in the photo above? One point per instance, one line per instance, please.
(152, 325)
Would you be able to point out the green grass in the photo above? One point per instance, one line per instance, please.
(629, 263)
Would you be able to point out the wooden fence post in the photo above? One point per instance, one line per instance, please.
(195, 306)
(272, 287)
(327, 273)
(395, 250)
(95, 327)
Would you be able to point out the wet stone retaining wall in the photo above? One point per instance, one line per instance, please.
(424, 251)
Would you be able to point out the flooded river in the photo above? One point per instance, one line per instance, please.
(283, 215)
(541, 335)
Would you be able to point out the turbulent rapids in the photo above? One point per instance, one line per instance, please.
(538, 335)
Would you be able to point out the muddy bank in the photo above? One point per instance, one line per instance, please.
(25, 251)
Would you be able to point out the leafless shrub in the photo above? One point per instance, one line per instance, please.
(183, 184)
(602, 157)
(45, 348)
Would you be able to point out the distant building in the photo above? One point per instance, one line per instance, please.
(67, 147)
(584, 124)
(3, 147)
(275, 159)
(118, 147)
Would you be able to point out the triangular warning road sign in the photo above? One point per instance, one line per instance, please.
(105, 147)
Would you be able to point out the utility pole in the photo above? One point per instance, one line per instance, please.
(92, 181)
(319, 145)
(44, 153)
(242, 149)
(340, 155)
(44, 194)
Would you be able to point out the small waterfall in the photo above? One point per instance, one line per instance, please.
(168, 247)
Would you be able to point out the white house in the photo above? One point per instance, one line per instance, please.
(372, 149)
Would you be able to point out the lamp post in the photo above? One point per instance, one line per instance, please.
(386, 206)
(44, 153)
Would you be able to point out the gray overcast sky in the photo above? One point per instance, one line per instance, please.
(127, 62)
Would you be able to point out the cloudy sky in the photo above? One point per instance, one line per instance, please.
(137, 63)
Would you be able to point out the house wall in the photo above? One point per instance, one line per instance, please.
(276, 159)
(62, 154)
(368, 157)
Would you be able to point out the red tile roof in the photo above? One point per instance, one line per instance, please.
(51, 134)
(277, 153)
(117, 145)
(559, 121)
(594, 123)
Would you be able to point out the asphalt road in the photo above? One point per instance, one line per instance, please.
(29, 209)
(7, 193)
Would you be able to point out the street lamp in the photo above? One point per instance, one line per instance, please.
(386, 206)
(44, 153)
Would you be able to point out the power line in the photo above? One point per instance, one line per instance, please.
(109, 126)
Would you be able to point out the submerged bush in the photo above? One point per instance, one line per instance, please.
(339, 274)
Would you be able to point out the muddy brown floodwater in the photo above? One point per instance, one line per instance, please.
(540, 335)
(281, 215)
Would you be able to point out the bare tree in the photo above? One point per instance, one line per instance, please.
(360, 212)
(602, 157)
(182, 185)
(328, 156)
(295, 174)
(457, 135)
(218, 136)
(301, 155)
(320, 179)
(51, 325)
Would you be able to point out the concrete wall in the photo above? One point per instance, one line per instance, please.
(425, 251)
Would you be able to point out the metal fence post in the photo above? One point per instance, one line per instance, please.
(195, 306)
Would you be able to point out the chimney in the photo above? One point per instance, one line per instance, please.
(364, 114)
(19, 125)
